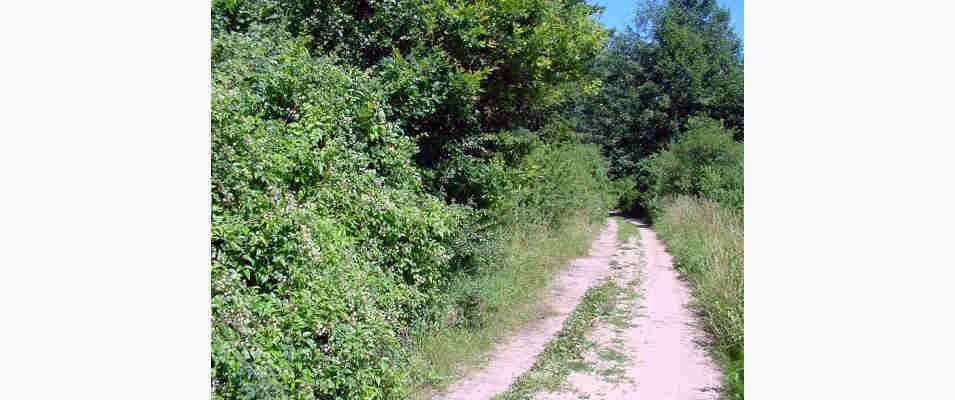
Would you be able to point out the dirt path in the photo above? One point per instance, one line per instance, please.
(512, 358)
(645, 348)
(670, 362)
(657, 352)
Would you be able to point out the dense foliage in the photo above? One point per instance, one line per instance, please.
(379, 166)
(704, 161)
(680, 59)
(323, 238)
(451, 69)
(367, 155)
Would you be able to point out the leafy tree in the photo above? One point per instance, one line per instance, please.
(454, 69)
(679, 59)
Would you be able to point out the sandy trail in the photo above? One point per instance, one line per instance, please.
(664, 360)
(670, 362)
(515, 356)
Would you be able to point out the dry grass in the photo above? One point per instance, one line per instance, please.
(706, 241)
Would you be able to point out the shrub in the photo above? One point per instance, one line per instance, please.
(625, 195)
(562, 179)
(325, 245)
(704, 161)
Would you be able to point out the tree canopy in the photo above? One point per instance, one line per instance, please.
(678, 60)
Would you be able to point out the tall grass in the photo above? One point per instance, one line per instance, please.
(509, 296)
(706, 241)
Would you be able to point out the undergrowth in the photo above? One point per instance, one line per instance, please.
(706, 241)
(372, 182)
(703, 161)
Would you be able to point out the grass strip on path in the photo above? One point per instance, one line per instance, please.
(625, 230)
(561, 355)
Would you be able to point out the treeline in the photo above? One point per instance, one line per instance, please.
(370, 161)
(669, 112)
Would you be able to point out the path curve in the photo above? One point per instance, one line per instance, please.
(515, 356)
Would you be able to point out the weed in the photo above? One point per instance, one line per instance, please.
(626, 230)
(612, 372)
(612, 355)
(553, 364)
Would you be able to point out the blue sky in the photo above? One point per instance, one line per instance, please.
(619, 13)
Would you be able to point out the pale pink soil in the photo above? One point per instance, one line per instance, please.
(515, 356)
(668, 362)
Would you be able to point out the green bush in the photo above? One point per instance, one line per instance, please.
(625, 194)
(704, 161)
(325, 245)
(552, 183)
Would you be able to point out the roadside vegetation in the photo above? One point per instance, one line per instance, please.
(706, 241)
(394, 183)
